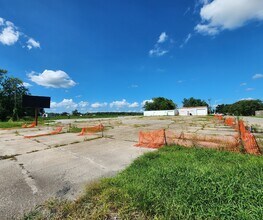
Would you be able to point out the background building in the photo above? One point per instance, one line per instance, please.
(187, 111)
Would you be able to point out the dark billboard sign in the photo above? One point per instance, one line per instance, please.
(35, 101)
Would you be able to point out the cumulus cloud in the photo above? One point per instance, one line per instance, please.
(257, 76)
(67, 104)
(53, 79)
(31, 43)
(134, 105)
(162, 38)
(83, 104)
(243, 84)
(25, 84)
(219, 15)
(9, 35)
(99, 105)
(123, 103)
(144, 101)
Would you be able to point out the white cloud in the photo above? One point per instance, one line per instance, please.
(99, 105)
(134, 86)
(180, 81)
(9, 35)
(188, 37)
(119, 104)
(1, 21)
(206, 30)
(83, 104)
(53, 79)
(134, 105)
(31, 43)
(249, 89)
(257, 76)
(123, 104)
(158, 52)
(144, 101)
(162, 38)
(247, 99)
(158, 49)
(243, 84)
(219, 15)
(66, 104)
(25, 84)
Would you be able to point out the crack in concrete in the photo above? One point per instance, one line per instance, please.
(85, 158)
(28, 179)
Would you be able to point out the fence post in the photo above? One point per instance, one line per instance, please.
(165, 142)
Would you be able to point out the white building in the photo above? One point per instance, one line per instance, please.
(161, 113)
(188, 111)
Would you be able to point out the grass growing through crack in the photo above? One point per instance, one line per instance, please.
(171, 183)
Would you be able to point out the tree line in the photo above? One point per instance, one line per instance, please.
(161, 103)
(240, 108)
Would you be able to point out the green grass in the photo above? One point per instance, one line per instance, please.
(172, 183)
(74, 129)
(6, 125)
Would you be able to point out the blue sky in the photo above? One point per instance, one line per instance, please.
(101, 55)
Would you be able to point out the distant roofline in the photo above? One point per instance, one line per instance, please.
(195, 107)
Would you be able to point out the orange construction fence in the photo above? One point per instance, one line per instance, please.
(219, 117)
(91, 130)
(248, 139)
(152, 139)
(231, 122)
(159, 138)
(32, 125)
(56, 131)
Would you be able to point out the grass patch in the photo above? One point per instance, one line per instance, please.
(171, 183)
(74, 129)
(17, 124)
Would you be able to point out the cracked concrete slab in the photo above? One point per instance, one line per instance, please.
(61, 165)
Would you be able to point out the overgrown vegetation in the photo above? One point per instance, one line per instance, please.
(172, 183)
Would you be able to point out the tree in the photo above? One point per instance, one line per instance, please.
(223, 109)
(243, 107)
(192, 102)
(76, 112)
(159, 103)
(11, 92)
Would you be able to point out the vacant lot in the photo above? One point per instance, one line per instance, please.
(33, 170)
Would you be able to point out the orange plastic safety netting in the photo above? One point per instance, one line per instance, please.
(56, 131)
(32, 125)
(159, 138)
(203, 140)
(91, 130)
(248, 139)
(219, 117)
(231, 122)
(151, 139)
